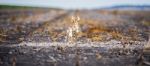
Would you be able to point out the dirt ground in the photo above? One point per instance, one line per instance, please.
(107, 38)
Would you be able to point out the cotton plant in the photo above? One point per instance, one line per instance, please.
(73, 30)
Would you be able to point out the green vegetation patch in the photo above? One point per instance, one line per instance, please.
(16, 7)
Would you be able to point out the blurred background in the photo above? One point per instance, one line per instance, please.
(75, 4)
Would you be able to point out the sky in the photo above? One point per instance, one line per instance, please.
(74, 4)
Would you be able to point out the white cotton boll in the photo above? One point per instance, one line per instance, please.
(77, 28)
(78, 18)
(72, 18)
(69, 31)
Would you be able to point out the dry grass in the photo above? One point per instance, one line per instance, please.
(96, 31)
(146, 23)
(91, 29)
(2, 36)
